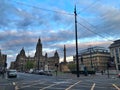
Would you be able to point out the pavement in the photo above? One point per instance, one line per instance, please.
(97, 75)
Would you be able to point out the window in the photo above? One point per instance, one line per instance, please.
(118, 67)
(117, 55)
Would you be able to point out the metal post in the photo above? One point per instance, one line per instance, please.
(91, 58)
(77, 61)
(108, 69)
(38, 61)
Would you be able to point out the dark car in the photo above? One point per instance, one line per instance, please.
(12, 73)
(48, 73)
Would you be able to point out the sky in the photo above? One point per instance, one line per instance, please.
(22, 22)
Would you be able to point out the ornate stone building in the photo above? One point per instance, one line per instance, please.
(3, 60)
(93, 58)
(115, 53)
(39, 61)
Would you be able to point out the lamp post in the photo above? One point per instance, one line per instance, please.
(56, 65)
(91, 58)
(21, 67)
(108, 65)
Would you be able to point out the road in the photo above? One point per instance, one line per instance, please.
(26, 81)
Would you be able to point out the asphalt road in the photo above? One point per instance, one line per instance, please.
(26, 81)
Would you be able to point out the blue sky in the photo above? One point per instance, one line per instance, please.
(22, 22)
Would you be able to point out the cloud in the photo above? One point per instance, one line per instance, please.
(107, 17)
(3, 15)
(22, 25)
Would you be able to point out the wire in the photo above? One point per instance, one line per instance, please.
(88, 29)
(67, 14)
(43, 8)
(88, 6)
(91, 24)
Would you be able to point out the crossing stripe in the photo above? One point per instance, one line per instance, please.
(49, 86)
(92, 88)
(116, 87)
(72, 85)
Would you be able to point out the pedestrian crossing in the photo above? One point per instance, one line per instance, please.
(69, 85)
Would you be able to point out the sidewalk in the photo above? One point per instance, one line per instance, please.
(82, 76)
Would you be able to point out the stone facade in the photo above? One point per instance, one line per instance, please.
(115, 53)
(93, 58)
(39, 61)
(64, 64)
(3, 60)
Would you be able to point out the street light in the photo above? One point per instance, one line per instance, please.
(22, 67)
(56, 65)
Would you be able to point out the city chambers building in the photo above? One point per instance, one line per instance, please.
(38, 62)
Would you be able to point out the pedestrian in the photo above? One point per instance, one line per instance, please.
(102, 72)
(3, 73)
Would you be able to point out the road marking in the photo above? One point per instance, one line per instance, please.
(36, 83)
(72, 85)
(16, 88)
(49, 86)
(14, 83)
(116, 87)
(92, 88)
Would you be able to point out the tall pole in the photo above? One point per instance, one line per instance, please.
(38, 61)
(77, 61)
(64, 54)
(91, 57)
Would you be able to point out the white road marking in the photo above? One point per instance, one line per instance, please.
(16, 88)
(14, 83)
(49, 86)
(36, 83)
(92, 88)
(72, 85)
(116, 87)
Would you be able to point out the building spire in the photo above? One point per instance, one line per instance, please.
(39, 40)
(38, 48)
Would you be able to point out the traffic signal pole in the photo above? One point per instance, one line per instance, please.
(77, 61)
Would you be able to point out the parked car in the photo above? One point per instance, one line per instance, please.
(39, 72)
(48, 73)
(11, 73)
(30, 71)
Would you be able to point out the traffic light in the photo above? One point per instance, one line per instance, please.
(56, 65)
(81, 59)
(108, 64)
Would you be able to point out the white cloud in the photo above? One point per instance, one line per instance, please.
(56, 29)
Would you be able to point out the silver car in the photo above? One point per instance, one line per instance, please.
(11, 73)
